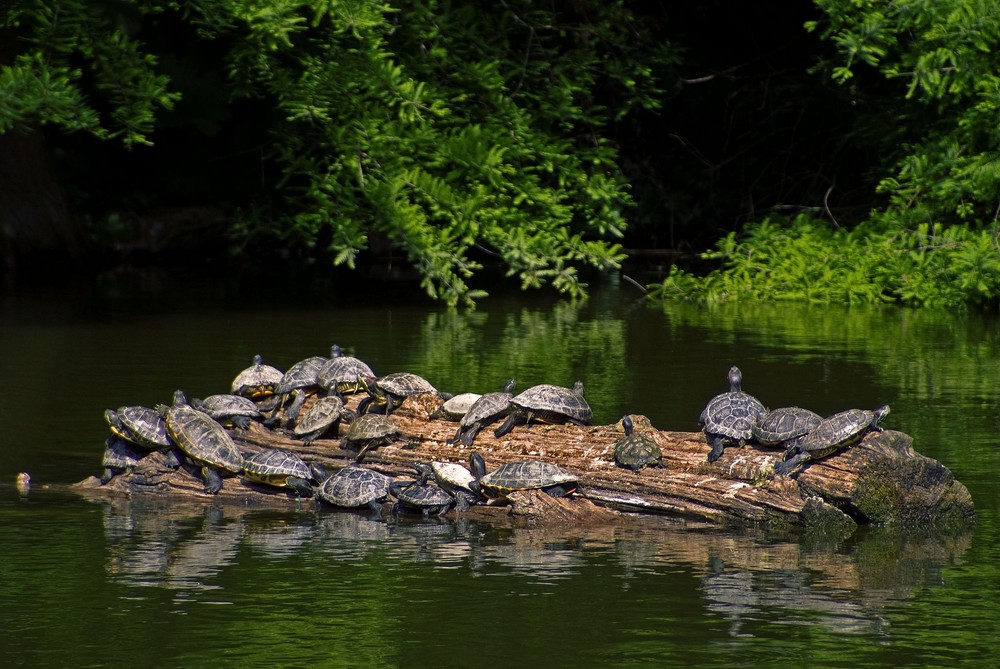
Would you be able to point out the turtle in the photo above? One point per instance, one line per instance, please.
(354, 487)
(339, 375)
(229, 409)
(320, 418)
(548, 404)
(636, 450)
(832, 434)
(283, 469)
(257, 381)
(457, 480)
(204, 441)
(729, 418)
(523, 475)
(421, 495)
(389, 391)
(487, 410)
(140, 425)
(785, 426)
(299, 380)
(369, 431)
(456, 408)
(120, 455)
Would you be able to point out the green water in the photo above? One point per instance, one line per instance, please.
(157, 584)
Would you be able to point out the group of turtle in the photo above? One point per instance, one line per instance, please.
(737, 418)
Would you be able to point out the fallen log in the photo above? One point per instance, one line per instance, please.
(882, 480)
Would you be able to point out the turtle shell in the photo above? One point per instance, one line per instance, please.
(221, 407)
(487, 410)
(404, 384)
(302, 374)
(202, 439)
(369, 431)
(319, 418)
(636, 450)
(340, 373)
(839, 431)
(140, 425)
(784, 424)
(354, 487)
(452, 476)
(421, 496)
(119, 455)
(274, 466)
(257, 380)
(457, 407)
(526, 475)
(732, 415)
(554, 404)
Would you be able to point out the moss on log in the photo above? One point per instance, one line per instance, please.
(882, 480)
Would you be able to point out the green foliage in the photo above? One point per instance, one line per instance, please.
(807, 261)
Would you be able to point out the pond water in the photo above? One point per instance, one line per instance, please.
(156, 583)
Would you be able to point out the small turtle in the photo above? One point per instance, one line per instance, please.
(300, 380)
(283, 469)
(368, 432)
(339, 375)
(354, 487)
(635, 450)
(421, 495)
(140, 425)
(389, 391)
(120, 455)
(729, 418)
(548, 404)
(832, 434)
(457, 480)
(487, 410)
(524, 475)
(256, 381)
(228, 409)
(456, 408)
(785, 426)
(204, 441)
(320, 418)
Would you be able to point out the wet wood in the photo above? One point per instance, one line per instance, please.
(881, 480)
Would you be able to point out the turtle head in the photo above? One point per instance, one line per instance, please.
(627, 425)
(180, 398)
(336, 352)
(509, 386)
(880, 414)
(424, 470)
(578, 388)
(477, 465)
(735, 379)
(258, 360)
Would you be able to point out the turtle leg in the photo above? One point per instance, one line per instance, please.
(318, 472)
(508, 425)
(784, 468)
(363, 405)
(470, 434)
(459, 436)
(172, 460)
(293, 411)
(718, 445)
(213, 481)
(376, 507)
(242, 422)
(300, 485)
(463, 501)
(108, 474)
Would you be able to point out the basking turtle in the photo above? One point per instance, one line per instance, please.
(729, 418)
(300, 380)
(421, 495)
(228, 409)
(456, 407)
(524, 475)
(785, 426)
(140, 425)
(832, 434)
(339, 375)
(389, 391)
(283, 469)
(256, 381)
(487, 410)
(204, 441)
(548, 404)
(354, 487)
(320, 418)
(635, 450)
(120, 455)
(368, 432)
(457, 480)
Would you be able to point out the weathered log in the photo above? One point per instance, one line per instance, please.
(881, 480)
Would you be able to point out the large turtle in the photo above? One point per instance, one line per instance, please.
(457, 480)
(120, 455)
(487, 410)
(300, 380)
(256, 381)
(421, 495)
(785, 427)
(320, 418)
(523, 475)
(354, 487)
(229, 409)
(204, 441)
(140, 425)
(636, 450)
(339, 375)
(283, 469)
(368, 432)
(389, 391)
(729, 418)
(546, 403)
(832, 434)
